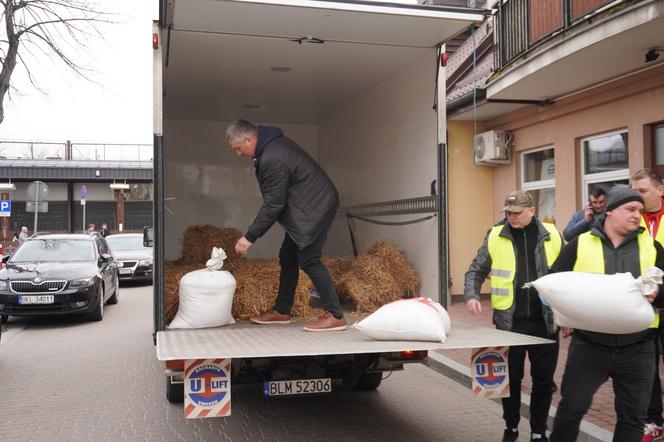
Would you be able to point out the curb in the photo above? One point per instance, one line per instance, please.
(589, 432)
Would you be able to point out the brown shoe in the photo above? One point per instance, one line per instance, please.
(271, 317)
(327, 322)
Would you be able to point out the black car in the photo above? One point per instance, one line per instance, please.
(134, 259)
(59, 274)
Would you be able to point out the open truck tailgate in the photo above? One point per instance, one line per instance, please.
(245, 340)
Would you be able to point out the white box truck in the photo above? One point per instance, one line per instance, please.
(358, 84)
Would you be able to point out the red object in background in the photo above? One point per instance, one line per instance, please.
(443, 59)
(2, 252)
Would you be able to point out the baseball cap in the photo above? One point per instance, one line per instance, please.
(518, 200)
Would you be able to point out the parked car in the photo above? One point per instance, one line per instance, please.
(59, 274)
(134, 259)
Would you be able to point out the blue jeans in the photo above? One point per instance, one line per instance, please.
(588, 366)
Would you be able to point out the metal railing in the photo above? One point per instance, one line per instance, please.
(521, 25)
(19, 150)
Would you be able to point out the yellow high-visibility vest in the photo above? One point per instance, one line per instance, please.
(590, 256)
(659, 237)
(503, 263)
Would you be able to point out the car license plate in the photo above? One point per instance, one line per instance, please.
(125, 271)
(299, 386)
(36, 299)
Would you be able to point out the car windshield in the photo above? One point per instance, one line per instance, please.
(54, 250)
(125, 242)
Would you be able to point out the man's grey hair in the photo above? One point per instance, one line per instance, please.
(239, 129)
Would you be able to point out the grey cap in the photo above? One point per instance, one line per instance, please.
(619, 195)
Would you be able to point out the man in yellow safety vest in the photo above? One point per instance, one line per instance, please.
(648, 183)
(520, 249)
(616, 244)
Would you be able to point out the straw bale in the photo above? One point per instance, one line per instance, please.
(257, 287)
(337, 267)
(381, 275)
(198, 241)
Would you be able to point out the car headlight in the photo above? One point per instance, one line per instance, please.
(4, 285)
(145, 262)
(83, 282)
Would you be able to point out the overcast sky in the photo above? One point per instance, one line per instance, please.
(116, 110)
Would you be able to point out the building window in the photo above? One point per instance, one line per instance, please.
(139, 192)
(538, 173)
(604, 161)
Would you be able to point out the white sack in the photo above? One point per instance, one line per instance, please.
(419, 319)
(600, 303)
(206, 296)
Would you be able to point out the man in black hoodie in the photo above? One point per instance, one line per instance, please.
(615, 244)
(520, 249)
(299, 195)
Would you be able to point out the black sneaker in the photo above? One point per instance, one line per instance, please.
(510, 434)
(539, 439)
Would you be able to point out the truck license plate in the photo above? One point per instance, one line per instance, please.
(36, 299)
(299, 386)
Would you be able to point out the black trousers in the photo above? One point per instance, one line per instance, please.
(655, 405)
(543, 359)
(291, 258)
(588, 366)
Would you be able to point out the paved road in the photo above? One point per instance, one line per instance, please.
(68, 379)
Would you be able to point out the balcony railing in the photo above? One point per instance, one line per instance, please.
(10, 150)
(521, 25)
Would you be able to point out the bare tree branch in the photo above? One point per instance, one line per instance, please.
(50, 26)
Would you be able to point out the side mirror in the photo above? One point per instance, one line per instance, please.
(148, 236)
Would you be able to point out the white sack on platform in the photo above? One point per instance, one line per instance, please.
(206, 296)
(418, 319)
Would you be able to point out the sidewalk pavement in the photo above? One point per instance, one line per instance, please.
(601, 413)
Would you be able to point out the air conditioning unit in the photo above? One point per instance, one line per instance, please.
(493, 148)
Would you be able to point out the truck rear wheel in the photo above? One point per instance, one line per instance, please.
(174, 392)
(368, 382)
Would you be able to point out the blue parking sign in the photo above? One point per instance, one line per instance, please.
(5, 208)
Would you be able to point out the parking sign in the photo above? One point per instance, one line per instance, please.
(5, 208)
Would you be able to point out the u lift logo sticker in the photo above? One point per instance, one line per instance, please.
(207, 388)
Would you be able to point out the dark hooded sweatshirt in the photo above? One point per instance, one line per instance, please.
(528, 305)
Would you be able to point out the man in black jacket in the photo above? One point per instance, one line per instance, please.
(615, 244)
(299, 195)
(514, 252)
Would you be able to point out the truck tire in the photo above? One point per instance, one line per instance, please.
(174, 392)
(368, 382)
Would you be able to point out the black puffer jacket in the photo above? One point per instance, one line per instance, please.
(297, 193)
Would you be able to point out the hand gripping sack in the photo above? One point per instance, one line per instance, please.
(419, 319)
(206, 296)
(600, 303)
